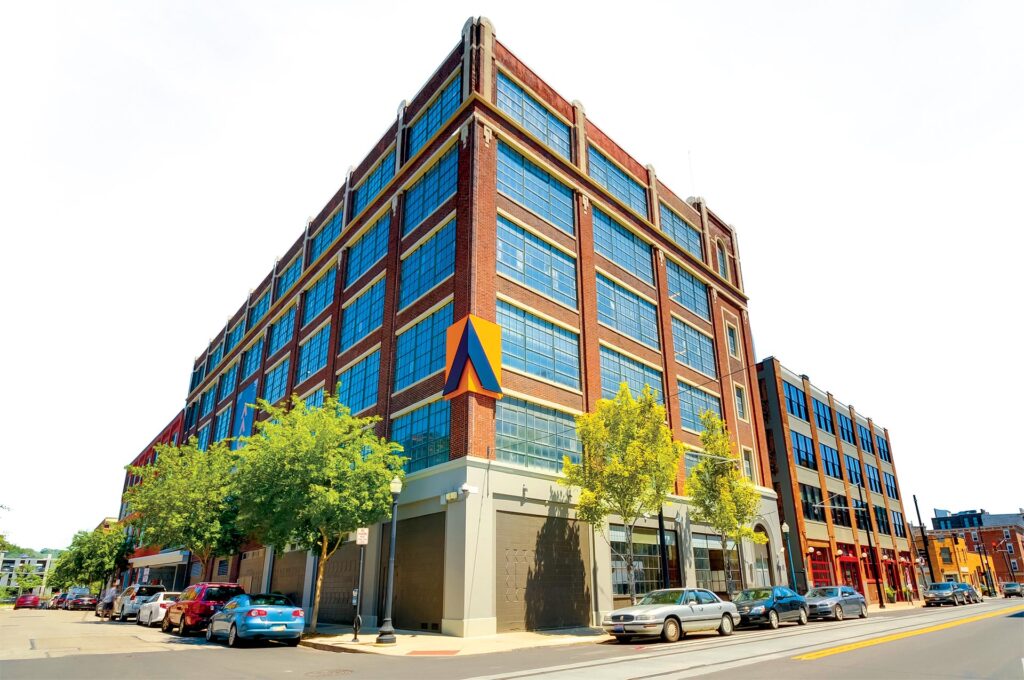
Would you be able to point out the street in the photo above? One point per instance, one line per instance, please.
(980, 641)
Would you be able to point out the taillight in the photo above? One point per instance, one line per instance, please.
(257, 612)
(131, 599)
(298, 613)
(165, 605)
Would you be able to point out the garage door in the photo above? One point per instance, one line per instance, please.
(419, 572)
(340, 576)
(542, 580)
(289, 574)
(250, 570)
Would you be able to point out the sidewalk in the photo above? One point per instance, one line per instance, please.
(338, 638)
(892, 606)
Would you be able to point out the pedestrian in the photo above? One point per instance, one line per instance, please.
(108, 599)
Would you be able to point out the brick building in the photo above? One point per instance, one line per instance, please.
(836, 479)
(997, 540)
(492, 195)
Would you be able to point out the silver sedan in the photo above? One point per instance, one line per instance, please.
(671, 614)
(836, 602)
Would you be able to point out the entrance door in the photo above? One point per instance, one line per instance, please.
(850, 574)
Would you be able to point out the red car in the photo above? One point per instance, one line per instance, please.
(27, 601)
(81, 602)
(197, 605)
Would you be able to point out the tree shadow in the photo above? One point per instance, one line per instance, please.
(557, 592)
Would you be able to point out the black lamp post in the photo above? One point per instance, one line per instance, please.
(386, 632)
(789, 552)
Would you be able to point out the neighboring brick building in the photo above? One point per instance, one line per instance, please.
(836, 479)
(494, 196)
(997, 540)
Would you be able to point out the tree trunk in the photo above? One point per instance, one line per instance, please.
(629, 565)
(321, 564)
(725, 558)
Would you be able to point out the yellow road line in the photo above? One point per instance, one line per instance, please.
(821, 653)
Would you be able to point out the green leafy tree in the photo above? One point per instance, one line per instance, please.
(186, 499)
(721, 496)
(27, 578)
(628, 466)
(310, 476)
(92, 557)
(5, 545)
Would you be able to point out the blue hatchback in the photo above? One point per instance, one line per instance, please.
(257, 617)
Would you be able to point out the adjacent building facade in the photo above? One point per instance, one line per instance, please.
(491, 195)
(838, 491)
(993, 540)
(11, 562)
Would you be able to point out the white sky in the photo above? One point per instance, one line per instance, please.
(156, 157)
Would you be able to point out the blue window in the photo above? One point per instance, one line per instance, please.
(860, 511)
(223, 428)
(623, 247)
(363, 316)
(874, 481)
(617, 368)
(534, 436)
(427, 266)
(890, 486)
(323, 239)
(423, 434)
(531, 187)
(313, 354)
(846, 428)
(796, 402)
(616, 181)
(198, 374)
(288, 277)
(882, 520)
(853, 474)
(535, 263)
(627, 312)
(204, 438)
(318, 297)
(374, 182)
(215, 356)
(687, 290)
(234, 335)
(693, 348)
(803, 450)
(830, 461)
(227, 382)
(259, 310)
(281, 331)
(368, 250)
(431, 190)
(357, 385)
(434, 116)
(865, 438)
(681, 231)
(898, 527)
(276, 382)
(315, 400)
(811, 503)
(823, 416)
(694, 401)
(883, 448)
(420, 350)
(252, 358)
(207, 402)
(533, 116)
(538, 347)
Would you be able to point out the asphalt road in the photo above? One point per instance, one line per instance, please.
(980, 641)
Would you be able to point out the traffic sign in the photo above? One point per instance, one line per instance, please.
(362, 536)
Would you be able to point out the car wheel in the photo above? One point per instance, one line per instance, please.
(165, 625)
(863, 611)
(122, 617)
(138, 620)
(293, 642)
(670, 632)
(182, 626)
(838, 613)
(803, 617)
(209, 633)
(773, 619)
(233, 639)
(726, 627)
(623, 639)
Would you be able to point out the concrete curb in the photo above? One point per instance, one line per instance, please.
(325, 647)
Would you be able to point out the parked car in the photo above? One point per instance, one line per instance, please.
(128, 602)
(943, 592)
(257, 617)
(196, 605)
(87, 601)
(1013, 589)
(57, 601)
(72, 594)
(971, 595)
(768, 606)
(836, 602)
(27, 601)
(672, 613)
(154, 607)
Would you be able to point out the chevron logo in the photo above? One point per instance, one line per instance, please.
(473, 358)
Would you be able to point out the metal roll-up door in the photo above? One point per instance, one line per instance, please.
(289, 575)
(340, 577)
(419, 572)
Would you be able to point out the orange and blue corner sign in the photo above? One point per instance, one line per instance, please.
(473, 358)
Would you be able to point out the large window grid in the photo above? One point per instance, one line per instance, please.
(890, 486)
(627, 312)
(288, 277)
(709, 561)
(616, 181)
(882, 520)
(535, 263)
(427, 266)
(623, 247)
(368, 250)
(694, 401)
(234, 335)
(810, 502)
(204, 438)
(222, 430)
(533, 188)
(420, 350)
(538, 347)
(840, 510)
(424, 435)
(846, 429)
(215, 356)
(363, 316)
(276, 381)
(282, 330)
(883, 448)
(534, 436)
(207, 402)
(434, 116)
(533, 116)
(259, 309)
(853, 473)
(323, 239)
(687, 290)
(865, 439)
(899, 528)
(313, 354)
(693, 348)
(682, 232)
(252, 358)
(431, 190)
(830, 461)
(617, 368)
(358, 385)
(318, 297)
(374, 182)
(796, 402)
(860, 513)
(646, 560)
(197, 377)
(874, 481)
(227, 382)
(803, 450)
(823, 416)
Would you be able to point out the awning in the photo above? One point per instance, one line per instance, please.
(160, 559)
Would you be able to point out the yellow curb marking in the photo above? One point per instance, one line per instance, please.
(821, 653)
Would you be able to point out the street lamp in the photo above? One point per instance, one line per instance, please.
(789, 552)
(386, 632)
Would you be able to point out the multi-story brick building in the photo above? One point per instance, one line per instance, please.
(997, 540)
(492, 195)
(839, 493)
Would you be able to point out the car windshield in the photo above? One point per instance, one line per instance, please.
(661, 597)
(941, 586)
(823, 592)
(222, 593)
(753, 594)
(149, 590)
(278, 600)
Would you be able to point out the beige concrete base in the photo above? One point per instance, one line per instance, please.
(469, 627)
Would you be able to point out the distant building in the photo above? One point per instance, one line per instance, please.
(9, 563)
(998, 539)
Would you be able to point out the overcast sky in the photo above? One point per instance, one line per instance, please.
(155, 158)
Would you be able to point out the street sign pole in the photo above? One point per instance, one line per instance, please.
(362, 538)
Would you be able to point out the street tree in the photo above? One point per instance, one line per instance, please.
(311, 476)
(91, 558)
(722, 497)
(627, 468)
(186, 499)
(27, 578)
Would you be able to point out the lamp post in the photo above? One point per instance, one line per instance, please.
(386, 632)
(789, 553)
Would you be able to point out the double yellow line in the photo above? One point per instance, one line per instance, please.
(821, 653)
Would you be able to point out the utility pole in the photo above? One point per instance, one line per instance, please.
(924, 541)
